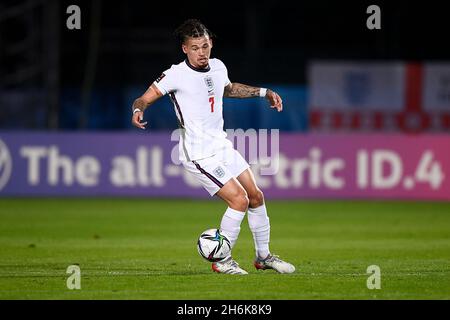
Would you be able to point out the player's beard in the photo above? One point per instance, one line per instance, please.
(203, 63)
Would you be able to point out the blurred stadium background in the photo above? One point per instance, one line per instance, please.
(366, 116)
(87, 79)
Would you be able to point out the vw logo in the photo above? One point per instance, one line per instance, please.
(5, 165)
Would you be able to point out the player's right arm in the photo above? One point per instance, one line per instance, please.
(140, 104)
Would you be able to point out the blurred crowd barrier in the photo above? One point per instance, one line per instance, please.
(286, 165)
(111, 109)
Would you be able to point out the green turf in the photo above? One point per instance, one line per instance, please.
(145, 249)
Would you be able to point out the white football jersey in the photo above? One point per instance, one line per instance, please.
(197, 98)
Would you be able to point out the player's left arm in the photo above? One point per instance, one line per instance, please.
(239, 90)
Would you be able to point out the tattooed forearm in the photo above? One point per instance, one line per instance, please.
(239, 90)
(151, 95)
(139, 104)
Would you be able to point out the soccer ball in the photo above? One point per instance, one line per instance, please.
(213, 245)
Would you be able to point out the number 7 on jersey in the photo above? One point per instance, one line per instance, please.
(211, 101)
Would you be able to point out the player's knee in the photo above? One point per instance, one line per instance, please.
(256, 199)
(241, 202)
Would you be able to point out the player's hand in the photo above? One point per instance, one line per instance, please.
(274, 100)
(137, 118)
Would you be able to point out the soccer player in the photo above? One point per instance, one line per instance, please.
(196, 87)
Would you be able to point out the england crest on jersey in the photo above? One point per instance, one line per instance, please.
(210, 85)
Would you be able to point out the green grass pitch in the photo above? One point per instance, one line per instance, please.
(146, 249)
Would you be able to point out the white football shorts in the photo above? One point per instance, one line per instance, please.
(213, 172)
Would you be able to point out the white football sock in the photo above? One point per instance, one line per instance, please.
(260, 226)
(231, 224)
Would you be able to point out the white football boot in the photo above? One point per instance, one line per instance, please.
(228, 266)
(275, 263)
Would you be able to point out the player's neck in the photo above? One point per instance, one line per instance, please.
(205, 69)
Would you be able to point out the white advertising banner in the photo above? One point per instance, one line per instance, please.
(357, 86)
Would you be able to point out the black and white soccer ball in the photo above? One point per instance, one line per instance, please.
(214, 245)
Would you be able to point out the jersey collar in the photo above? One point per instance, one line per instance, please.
(197, 69)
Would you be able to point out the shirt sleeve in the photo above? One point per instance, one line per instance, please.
(166, 82)
(227, 80)
(224, 69)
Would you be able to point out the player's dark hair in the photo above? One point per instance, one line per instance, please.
(191, 28)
